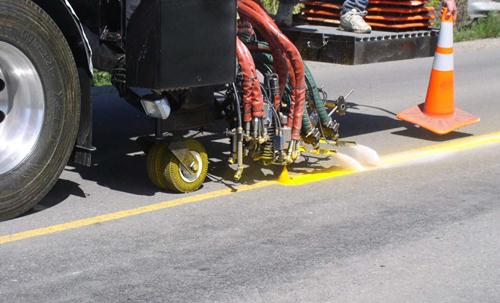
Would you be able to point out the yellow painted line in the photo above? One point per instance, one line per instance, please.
(442, 148)
(439, 149)
(128, 213)
(294, 180)
(307, 178)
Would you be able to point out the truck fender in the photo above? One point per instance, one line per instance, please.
(67, 20)
(86, 43)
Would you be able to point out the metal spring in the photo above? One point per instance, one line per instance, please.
(267, 150)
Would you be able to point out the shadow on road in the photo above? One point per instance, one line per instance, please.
(61, 191)
(119, 163)
(422, 134)
(357, 122)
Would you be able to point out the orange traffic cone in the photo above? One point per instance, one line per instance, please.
(438, 114)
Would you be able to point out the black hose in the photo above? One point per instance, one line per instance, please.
(264, 63)
(238, 106)
(318, 101)
(313, 90)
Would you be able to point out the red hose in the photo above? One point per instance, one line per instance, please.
(247, 81)
(253, 101)
(280, 62)
(282, 76)
(282, 65)
(299, 89)
(267, 28)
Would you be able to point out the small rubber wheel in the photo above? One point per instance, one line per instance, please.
(156, 160)
(180, 179)
(166, 172)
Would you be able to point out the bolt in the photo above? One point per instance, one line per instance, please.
(194, 167)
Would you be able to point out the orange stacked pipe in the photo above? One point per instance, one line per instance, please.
(382, 14)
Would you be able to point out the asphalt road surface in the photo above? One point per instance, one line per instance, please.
(418, 231)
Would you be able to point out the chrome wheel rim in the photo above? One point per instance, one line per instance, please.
(22, 107)
(188, 176)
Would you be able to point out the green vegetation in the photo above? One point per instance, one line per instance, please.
(434, 3)
(101, 78)
(482, 28)
(271, 5)
(488, 27)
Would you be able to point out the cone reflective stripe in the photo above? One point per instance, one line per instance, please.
(445, 39)
(438, 114)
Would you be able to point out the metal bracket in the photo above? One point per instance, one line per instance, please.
(310, 43)
(176, 145)
(181, 151)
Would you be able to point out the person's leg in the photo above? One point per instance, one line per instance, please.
(351, 16)
(359, 5)
(285, 12)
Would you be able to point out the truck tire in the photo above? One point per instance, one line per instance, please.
(39, 105)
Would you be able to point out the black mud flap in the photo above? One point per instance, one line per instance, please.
(82, 154)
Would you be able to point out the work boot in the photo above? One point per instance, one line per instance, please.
(353, 21)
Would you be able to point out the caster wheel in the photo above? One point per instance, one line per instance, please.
(166, 171)
(157, 157)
